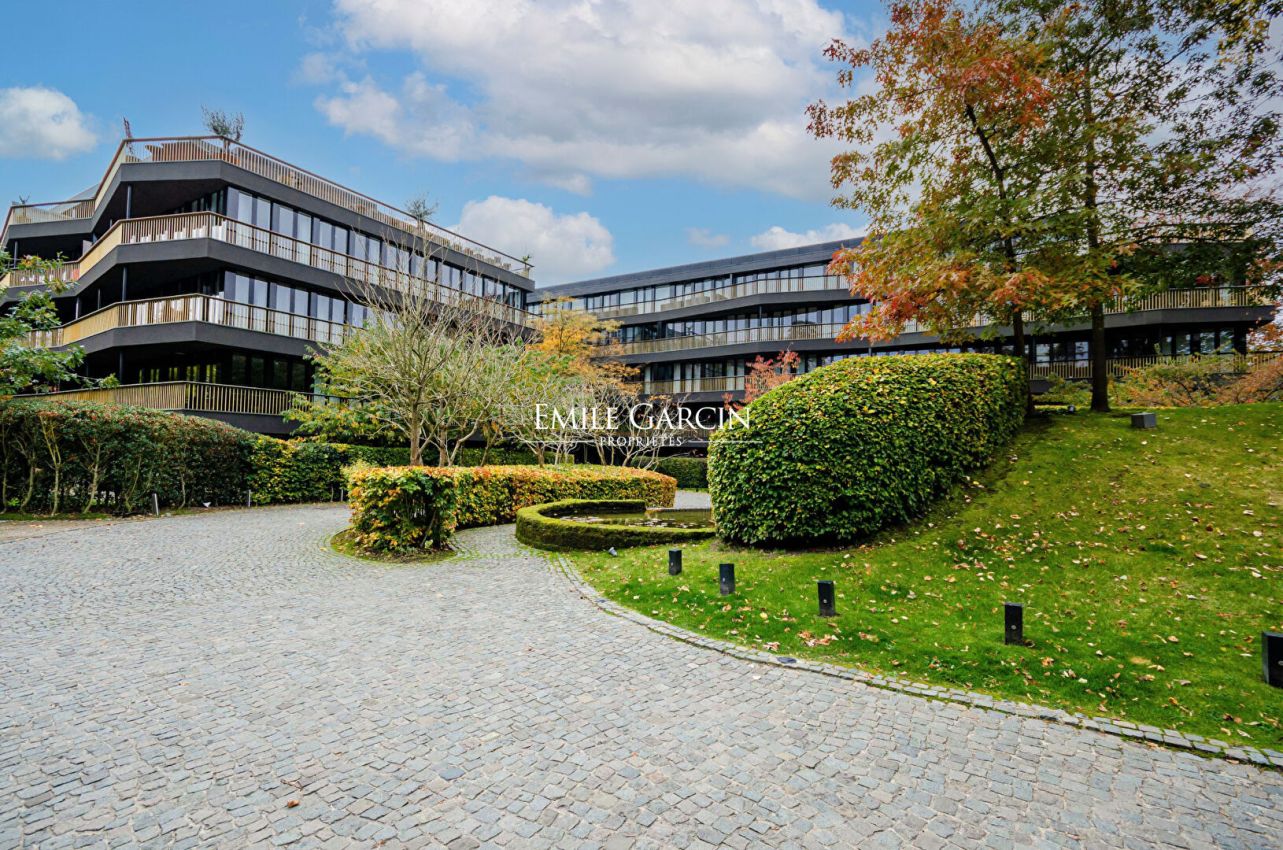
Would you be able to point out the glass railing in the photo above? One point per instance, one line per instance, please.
(1172, 299)
(189, 396)
(216, 148)
(192, 308)
(169, 228)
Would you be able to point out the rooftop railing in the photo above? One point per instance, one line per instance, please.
(192, 308)
(1172, 299)
(217, 148)
(169, 228)
(189, 396)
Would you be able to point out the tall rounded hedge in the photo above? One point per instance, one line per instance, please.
(863, 444)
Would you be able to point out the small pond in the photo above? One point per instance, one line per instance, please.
(652, 518)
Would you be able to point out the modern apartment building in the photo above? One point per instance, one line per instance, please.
(693, 329)
(202, 271)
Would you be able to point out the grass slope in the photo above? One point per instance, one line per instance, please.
(1149, 563)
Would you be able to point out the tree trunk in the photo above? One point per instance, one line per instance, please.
(1099, 361)
(416, 450)
(1022, 351)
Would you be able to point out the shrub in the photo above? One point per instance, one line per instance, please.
(68, 455)
(541, 526)
(860, 445)
(1179, 381)
(400, 509)
(284, 471)
(691, 472)
(396, 509)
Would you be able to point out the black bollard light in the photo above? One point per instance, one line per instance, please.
(674, 562)
(828, 607)
(1272, 658)
(726, 578)
(155, 504)
(1014, 620)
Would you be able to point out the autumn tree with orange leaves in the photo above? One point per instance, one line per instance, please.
(1023, 157)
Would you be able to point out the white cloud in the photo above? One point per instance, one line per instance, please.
(42, 123)
(705, 238)
(561, 247)
(574, 91)
(775, 238)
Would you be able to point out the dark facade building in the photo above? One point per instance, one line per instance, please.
(692, 330)
(205, 270)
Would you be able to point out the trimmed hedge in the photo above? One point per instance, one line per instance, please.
(541, 526)
(283, 471)
(866, 443)
(691, 472)
(405, 508)
(79, 456)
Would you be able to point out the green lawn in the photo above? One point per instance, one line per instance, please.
(1149, 563)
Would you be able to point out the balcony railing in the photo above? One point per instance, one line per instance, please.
(1076, 370)
(820, 283)
(1118, 366)
(192, 308)
(189, 396)
(1172, 299)
(170, 228)
(216, 148)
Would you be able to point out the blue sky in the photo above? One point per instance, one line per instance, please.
(600, 137)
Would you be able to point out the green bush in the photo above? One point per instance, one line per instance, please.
(402, 509)
(60, 456)
(286, 471)
(541, 526)
(691, 472)
(863, 444)
(471, 456)
(399, 509)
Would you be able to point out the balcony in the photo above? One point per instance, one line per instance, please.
(216, 148)
(1074, 370)
(191, 308)
(822, 283)
(189, 397)
(171, 228)
(1080, 370)
(1172, 299)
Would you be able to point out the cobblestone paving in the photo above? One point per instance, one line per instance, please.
(224, 680)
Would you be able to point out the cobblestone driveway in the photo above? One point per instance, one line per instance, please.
(225, 681)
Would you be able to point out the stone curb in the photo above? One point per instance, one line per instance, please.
(1120, 728)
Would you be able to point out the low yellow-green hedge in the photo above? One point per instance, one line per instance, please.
(397, 509)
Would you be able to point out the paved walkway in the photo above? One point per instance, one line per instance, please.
(224, 680)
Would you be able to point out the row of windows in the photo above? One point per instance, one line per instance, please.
(1217, 340)
(839, 315)
(291, 299)
(305, 227)
(683, 289)
(243, 370)
(734, 367)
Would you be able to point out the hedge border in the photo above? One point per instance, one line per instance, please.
(541, 526)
